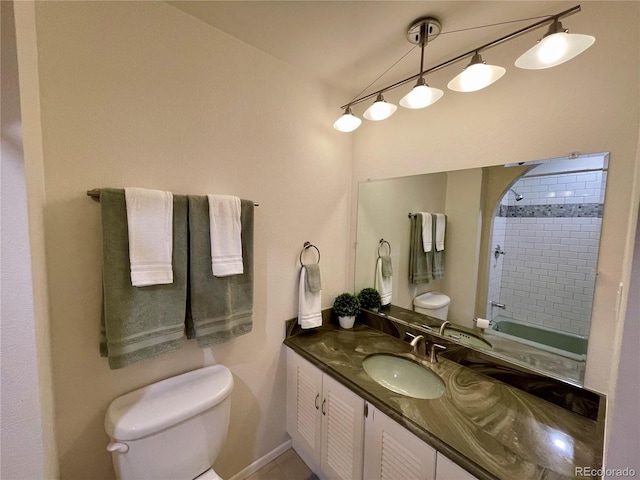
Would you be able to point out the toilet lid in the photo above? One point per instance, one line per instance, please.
(431, 300)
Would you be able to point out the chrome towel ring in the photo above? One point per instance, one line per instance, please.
(304, 249)
(382, 244)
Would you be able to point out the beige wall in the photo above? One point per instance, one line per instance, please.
(589, 104)
(463, 241)
(142, 94)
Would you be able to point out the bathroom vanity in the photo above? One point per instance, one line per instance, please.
(346, 425)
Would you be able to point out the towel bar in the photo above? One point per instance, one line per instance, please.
(95, 194)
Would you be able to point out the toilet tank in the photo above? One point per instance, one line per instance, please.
(434, 304)
(173, 429)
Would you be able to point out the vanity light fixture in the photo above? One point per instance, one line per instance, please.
(556, 47)
(380, 110)
(476, 76)
(348, 122)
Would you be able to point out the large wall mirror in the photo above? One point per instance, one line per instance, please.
(521, 247)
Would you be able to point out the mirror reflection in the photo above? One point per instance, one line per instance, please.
(520, 250)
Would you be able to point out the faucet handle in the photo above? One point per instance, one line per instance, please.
(433, 357)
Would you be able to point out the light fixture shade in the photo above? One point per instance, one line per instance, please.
(476, 76)
(555, 48)
(347, 122)
(421, 96)
(380, 110)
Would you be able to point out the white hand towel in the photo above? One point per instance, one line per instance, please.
(427, 237)
(440, 230)
(150, 225)
(384, 285)
(226, 235)
(309, 304)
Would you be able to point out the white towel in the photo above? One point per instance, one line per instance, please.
(384, 285)
(309, 304)
(150, 225)
(427, 237)
(225, 230)
(440, 228)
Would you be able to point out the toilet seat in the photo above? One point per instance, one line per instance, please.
(208, 475)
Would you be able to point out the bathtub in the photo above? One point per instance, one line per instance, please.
(561, 343)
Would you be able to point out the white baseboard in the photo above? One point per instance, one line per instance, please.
(262, 461)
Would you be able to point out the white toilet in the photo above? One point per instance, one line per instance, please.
(434, 304)
(173, 429)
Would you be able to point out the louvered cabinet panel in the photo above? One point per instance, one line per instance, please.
(342, 431)
(392, 452)
(304, 421)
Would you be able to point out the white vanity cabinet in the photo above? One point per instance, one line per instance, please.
(325, 420)
(447, 470)
(393, 452)
(339, 439)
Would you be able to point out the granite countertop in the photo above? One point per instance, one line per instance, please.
(492, 429)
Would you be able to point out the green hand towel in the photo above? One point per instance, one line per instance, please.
(139, 322)
(387, 266)
(220, 308)
(314, 280)
(420, 263)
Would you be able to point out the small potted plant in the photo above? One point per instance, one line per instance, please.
(346, 306)
(370, 299)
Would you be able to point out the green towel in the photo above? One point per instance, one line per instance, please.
(314, 280)
(420, 263)
(139, 322)
(220, 308)
(387, 266)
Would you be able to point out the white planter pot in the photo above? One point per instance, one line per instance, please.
(347, 322)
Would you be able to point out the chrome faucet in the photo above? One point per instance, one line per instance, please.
(499, 305)
(443, 326)
(415, 344)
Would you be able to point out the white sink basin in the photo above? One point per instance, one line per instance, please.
(403, 376)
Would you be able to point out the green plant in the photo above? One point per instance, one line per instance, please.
(346, 305)
(369, 298)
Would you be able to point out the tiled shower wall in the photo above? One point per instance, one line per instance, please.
(551, 242)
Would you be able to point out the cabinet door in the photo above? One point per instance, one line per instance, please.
(342, 431)
(392, 452)
(447, 470)
(304, 390)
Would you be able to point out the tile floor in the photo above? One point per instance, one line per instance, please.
(288, 466)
